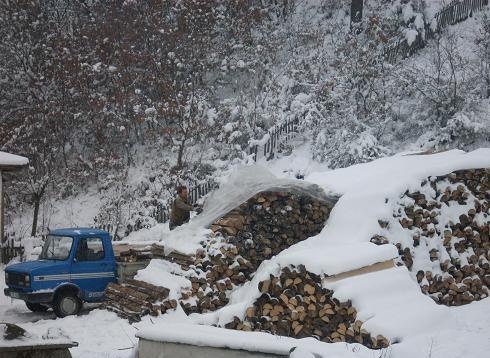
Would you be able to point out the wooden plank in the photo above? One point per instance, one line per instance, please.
(158, 291)
(367, 269)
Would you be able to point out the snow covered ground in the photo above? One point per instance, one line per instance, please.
(388, 301)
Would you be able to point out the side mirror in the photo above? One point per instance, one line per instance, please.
(75, 259)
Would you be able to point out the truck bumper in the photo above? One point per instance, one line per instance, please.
(32, 297)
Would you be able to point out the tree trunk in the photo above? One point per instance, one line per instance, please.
(356, 7)
(180, 154)
(37, 202)
(488, 87)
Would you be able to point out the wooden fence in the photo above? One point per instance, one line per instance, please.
(10, 249)
(161, 213)
(277, 135)
(456, 11)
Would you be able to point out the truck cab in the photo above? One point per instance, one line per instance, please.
(75, 266)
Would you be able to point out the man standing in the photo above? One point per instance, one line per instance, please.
(180, 210)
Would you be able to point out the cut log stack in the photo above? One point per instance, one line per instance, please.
(293, 304)
(158, 252)
(134, 299)
(271, 222)
(134, 255)
(257, 230)
(459, 248)
(296, 305)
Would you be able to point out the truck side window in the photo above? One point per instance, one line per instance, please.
(90, 249)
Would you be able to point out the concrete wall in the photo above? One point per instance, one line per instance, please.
(152, 349)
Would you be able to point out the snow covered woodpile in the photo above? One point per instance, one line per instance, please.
(448, 220)
(257, 230)
(134, 299)
(270, 222)
(295, 304)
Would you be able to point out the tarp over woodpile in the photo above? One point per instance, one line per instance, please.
(248, 181)
(241, 185)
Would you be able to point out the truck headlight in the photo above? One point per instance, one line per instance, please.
(7, 278)
(27, 280)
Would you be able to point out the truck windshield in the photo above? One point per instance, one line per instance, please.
(56, 248)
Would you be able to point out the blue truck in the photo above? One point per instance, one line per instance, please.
(75, 266)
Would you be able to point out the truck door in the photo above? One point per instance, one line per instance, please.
(92, 268)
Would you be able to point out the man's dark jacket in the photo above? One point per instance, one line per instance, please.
(180, 212)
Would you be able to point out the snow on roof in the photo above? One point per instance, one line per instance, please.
(9, 160)
(54, 337)
(77, 231)
(208, 336)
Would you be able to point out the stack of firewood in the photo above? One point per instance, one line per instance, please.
(156, 251)
(270, 222)
(460, 248)
(257, 230)
(183, 260)
(134, 255)
(134, 299)
(296, 305)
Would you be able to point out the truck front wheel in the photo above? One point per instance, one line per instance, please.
(36, 307)
(66, 304)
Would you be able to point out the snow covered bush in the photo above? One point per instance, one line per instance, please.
(467, 130)
(341, 148)
(482, 42)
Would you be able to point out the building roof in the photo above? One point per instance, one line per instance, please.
(11, 161)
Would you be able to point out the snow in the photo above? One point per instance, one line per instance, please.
(432, 8)
(228, 127)
(51, 336)
(166, 274)
(408, 13)
(465, 333)
(250, 341)
(261, 141)
(370, 189)
(8, 159)
(390, 303)
(411, 36)
(77, 211)
(299, 163)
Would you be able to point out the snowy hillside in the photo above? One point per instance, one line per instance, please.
(112, 158)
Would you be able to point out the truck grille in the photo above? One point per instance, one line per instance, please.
(15, 279)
